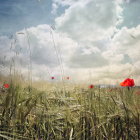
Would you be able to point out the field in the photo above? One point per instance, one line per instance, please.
(72, 112)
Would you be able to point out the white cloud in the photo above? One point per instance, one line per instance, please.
(66, 2)
(45, 57)
(125, 42)
(87, 41)
(119, 60)
(54, 8)
(108, 61)
(123, 52)
(90, 20)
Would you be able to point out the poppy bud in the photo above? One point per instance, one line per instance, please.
(52, 78)
(91, 86)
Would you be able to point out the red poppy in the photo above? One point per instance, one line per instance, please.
(91, 86)
(6, 85)
(127, 83)
(52, 78)
(68, 78)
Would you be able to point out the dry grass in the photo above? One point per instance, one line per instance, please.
(78, 114)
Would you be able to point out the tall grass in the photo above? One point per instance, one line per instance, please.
(82, 114)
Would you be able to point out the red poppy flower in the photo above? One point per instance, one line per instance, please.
(91, 86)
(52, 78)
(127, 83)
(68, 78)
(6, 85)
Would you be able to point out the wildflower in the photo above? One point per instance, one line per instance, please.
(68, 78)
(128, 83)
(6, 85)
(91, 86)
(52, 78)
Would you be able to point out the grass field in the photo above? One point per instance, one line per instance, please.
(70, 113)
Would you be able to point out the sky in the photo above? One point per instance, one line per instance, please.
(96, 41)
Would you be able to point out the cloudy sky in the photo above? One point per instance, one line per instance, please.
(94, 41)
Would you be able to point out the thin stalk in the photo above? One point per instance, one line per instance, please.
(59, 60)
(30, 61)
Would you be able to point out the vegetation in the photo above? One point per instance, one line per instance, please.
(27, 113)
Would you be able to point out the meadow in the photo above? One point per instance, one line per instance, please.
(71, 113)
